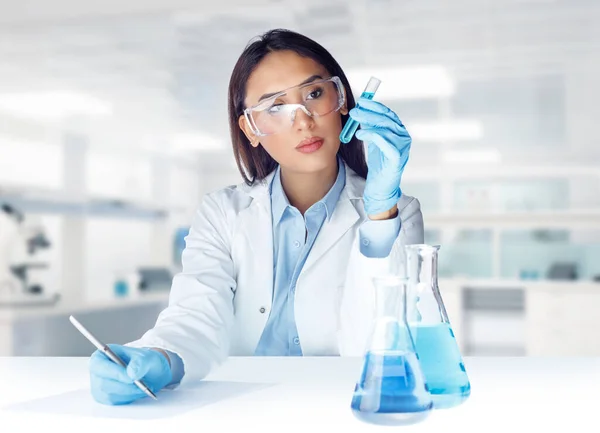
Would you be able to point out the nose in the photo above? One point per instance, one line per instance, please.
(302, 118)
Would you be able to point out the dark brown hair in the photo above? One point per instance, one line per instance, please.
(255, 163)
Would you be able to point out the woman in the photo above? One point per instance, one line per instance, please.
(282, 263)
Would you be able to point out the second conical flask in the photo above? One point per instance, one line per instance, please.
(435, 343)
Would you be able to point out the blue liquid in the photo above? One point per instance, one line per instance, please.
(391, 390)
(352, 125)
(442, 365)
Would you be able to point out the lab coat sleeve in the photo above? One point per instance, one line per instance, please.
(197, 322)
(357, 305)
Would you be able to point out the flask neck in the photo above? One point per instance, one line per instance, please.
(423, 267)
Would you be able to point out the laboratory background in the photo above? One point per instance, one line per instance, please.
(113, 125)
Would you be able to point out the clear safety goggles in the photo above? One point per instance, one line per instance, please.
(273, 115)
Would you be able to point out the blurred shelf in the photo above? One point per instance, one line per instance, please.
(522, 219)
(40, 200)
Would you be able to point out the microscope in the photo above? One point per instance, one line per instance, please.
(21, 270)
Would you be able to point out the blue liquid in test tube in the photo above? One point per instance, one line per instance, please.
(352, 125)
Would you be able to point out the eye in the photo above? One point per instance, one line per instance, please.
(316, 93)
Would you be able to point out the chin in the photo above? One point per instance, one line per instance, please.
(312, 166)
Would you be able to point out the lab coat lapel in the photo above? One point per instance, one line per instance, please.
(343, 218)
(258, 230)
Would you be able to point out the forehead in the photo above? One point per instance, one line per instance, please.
(278, 71)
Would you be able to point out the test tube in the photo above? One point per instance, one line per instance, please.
(352, 125)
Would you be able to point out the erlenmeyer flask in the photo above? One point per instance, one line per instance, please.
(391, 389)
(436, 346)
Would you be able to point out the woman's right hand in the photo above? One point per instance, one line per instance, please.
(389, 146)
(111, 384)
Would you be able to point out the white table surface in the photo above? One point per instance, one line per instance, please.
(280, 394)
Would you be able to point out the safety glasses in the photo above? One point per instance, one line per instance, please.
(275, 114)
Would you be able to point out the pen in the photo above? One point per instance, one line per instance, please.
(112, 355)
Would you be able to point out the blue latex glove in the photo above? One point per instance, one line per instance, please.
(388, 150)
(111, 384)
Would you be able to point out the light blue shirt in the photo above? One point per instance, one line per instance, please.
(293, 238)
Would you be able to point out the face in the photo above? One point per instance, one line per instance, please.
(278, 71)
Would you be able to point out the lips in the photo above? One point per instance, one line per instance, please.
(310, 145)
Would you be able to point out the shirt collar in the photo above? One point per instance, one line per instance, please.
(280, 202)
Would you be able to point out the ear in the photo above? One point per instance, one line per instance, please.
(245, 127)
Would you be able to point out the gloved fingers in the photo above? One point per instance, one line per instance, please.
(112, 392)
(381, 139)
(141, 363)
(375, 110)
(369, 119)
(376, 153)
(404, 155)
(101, 366)
(123, 352)
(377, 107)
(115, 388)
(403, 145)
(115, 399)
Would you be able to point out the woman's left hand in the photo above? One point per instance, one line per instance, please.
(388, 150)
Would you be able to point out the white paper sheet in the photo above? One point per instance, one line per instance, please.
(170, 402)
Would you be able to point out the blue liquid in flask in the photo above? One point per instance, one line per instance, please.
(391, 390)
(352, 125)
(442, 365)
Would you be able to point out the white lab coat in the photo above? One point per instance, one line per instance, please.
(220, 302)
